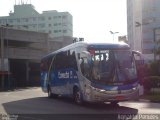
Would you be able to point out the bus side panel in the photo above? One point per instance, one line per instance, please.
(62, 81)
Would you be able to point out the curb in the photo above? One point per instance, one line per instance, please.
(19, 89)
(144, 100)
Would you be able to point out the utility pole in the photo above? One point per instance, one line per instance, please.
(2, 58)
(154, 41)
(113, 33)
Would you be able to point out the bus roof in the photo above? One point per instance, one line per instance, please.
(118, 45)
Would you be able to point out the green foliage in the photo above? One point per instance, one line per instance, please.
(153, 68)
(152, 97)
(151, 82)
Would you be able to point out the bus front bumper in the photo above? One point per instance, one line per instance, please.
(110, 96)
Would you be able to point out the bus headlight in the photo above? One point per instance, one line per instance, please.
(102, 90)
(134, 88)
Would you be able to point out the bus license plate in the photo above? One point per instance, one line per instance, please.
(119, 97)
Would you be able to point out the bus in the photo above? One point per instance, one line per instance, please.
(91, 72)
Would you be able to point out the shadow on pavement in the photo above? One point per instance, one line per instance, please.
(19, 89)
(42, 108)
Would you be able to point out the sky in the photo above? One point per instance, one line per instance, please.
(92, 19)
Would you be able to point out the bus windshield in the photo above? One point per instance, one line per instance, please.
(112, 65)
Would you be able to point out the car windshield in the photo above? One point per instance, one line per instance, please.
(113, 65)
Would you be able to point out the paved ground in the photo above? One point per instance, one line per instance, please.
(32, 103)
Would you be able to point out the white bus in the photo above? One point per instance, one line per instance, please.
(91, 72)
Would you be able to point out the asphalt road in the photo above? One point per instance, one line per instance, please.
(33, 104)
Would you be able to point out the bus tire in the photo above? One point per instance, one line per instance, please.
(50, 95)
(114, 103)
(77, 96)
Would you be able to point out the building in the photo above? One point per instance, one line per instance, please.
(57, 24)
(143, 20)
(123, 39)
(25, 37)
(20, 55)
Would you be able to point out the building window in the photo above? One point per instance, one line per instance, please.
(55, 17)
(18, 20)
(59, 16)
(10, 21)
(50, 31)
(64, 24)
(41, 25)
(49, 25)
(55, 31)
(4, 21)
(49, 18)
(59, 30)
(64, 17)
(64, 31)
(26, 20)
(34, 25)
(59, 24)
(42, 18)
(34, 18)
(55, 24)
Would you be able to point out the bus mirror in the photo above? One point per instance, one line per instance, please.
(138, 57)
(80, 61)
(85, 54)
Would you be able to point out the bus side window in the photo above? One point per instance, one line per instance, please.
(72, 61)
(64, 61)
(58, 62)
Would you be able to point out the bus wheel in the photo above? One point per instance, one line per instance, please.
(50, 95)
(77, 96)
(114, 103)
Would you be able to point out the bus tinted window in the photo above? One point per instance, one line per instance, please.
(63, 61)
